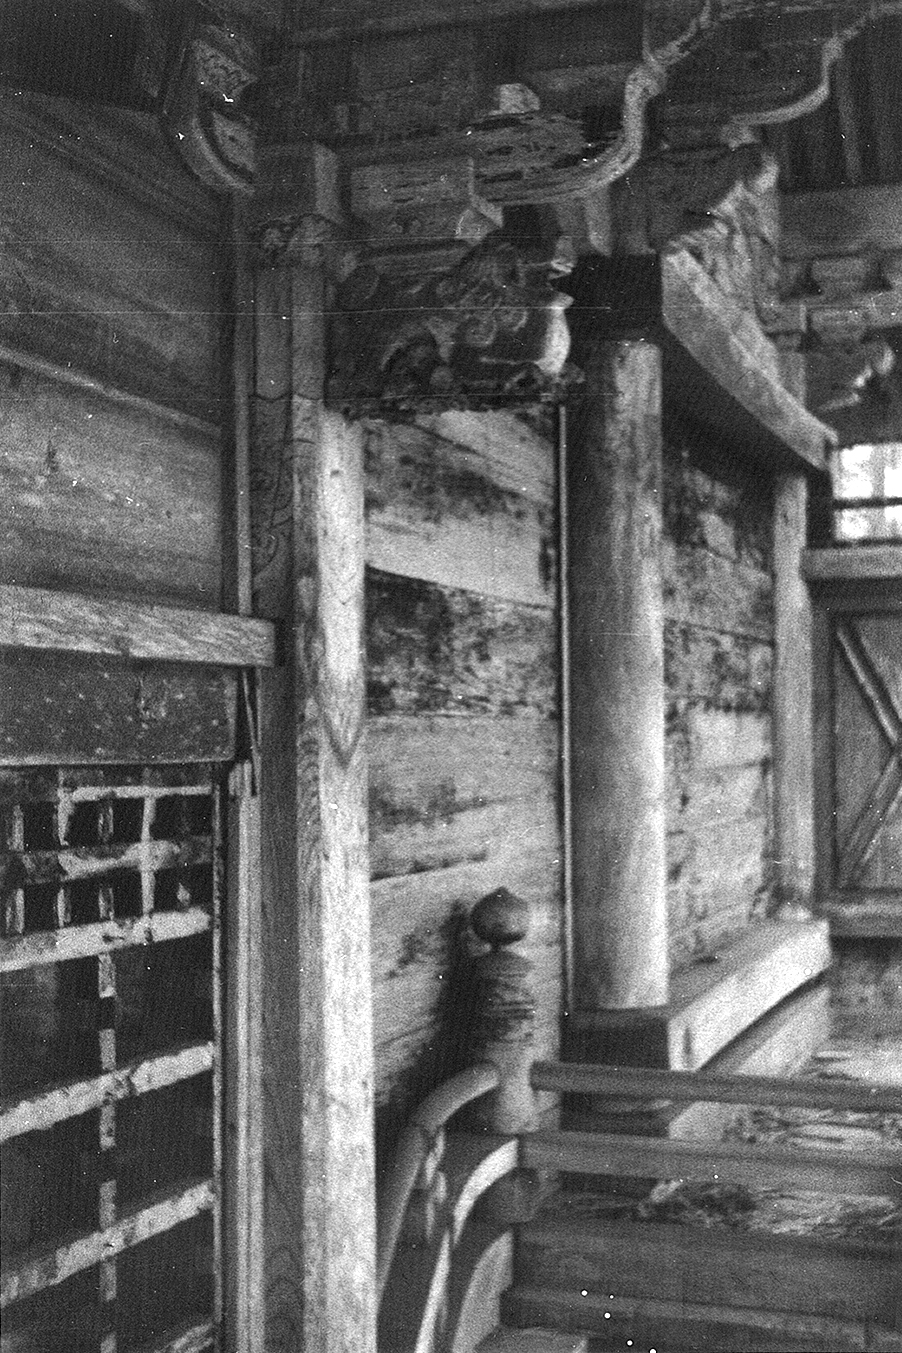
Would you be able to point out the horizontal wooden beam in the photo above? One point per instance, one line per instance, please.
(855, 562)
(34, 1274)
(686, 1087)
(33, 617)
(80, 380)
(872, 1173)
(842, 221)
(863, 915)
(100, 937)
(195, 1338)
(36, 1113)
(723, 371)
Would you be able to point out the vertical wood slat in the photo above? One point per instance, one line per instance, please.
(793, 733)
(823, 752)
(244, 1274)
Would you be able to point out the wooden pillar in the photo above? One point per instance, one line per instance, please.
(616, 695)
(307, 501)
(792, 700)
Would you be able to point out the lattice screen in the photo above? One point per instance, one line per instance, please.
(110, 1116)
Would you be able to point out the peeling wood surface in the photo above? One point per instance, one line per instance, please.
(718, 652)
(88, 710)
(462, 742)
(39, 1112)
(57, 1265)
(436, 512)
(434, 649)
(36, 618)
(99, 496)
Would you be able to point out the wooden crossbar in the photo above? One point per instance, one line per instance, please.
(35, 1113)
(98, 937)
(33, 617)
(188, 1339)
(36, 1273)
(689, 1087)
(876, 1173)
(71, 863)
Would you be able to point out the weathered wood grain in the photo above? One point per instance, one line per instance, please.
(822, 1169)
(839, 1279)
(35, 618)
(127, 294)
(793, 769)
(851, 220)
(723, 370)
(874, 561)
(707, 590)
(80, 709)
(434, 514)
(97, 496)
(308, 527)
(446, 791)
(717, 670)
(513, 450)
(616, 666)
(433, 649)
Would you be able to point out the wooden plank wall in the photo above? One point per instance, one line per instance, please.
(110, 399)
(463, 728)
(718, 666)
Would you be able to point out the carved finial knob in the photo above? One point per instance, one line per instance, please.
(500, 918)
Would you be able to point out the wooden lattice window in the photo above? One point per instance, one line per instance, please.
(867, 493)
(111, 1110)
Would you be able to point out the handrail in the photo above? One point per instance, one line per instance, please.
(415, 1143)
(693, 1086)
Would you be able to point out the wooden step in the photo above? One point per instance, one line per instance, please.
(852, 1280)
(684, 1327)
(712, 1004)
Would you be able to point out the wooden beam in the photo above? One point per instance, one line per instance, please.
(859, 914)
(99, 937)
(872, 1173)
(724, 372)
(793, 770)
(857, 220)
(34, 1274)
(36, 1113)
(33, 617)
(857, 563)
(686, 1087)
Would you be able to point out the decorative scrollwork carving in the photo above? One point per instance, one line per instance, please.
(489, 329)
(201, 97)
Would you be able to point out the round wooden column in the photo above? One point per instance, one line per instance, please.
(617, 682)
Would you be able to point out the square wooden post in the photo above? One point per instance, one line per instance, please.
(307, 517)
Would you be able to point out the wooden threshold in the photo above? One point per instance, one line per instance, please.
(855, 562)
(33, 617)
(721, 370)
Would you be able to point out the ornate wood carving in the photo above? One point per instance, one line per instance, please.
(489, 328)
(201, 94)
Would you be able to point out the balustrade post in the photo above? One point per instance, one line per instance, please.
(504, 1030)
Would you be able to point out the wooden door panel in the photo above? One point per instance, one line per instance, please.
(867, 762)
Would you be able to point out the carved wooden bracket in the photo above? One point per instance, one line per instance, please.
(201, 96)
(486, 330)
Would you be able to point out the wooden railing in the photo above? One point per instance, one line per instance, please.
(418, 1154)
(501, 1088)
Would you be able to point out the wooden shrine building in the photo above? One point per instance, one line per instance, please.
(450, 455)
